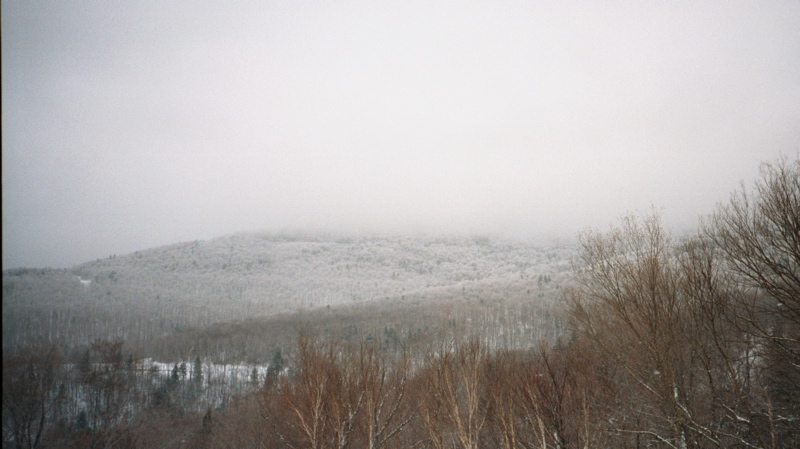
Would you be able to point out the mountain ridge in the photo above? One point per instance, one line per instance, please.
(159, 291)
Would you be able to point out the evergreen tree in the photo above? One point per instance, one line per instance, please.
(275, 367)
(85, 365)
(197, 371)
(207, 421)
(81, 422)
(182, 370)
(277, 362)
(174, 377)
(254, 375)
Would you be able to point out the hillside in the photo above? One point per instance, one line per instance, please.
(167, 290)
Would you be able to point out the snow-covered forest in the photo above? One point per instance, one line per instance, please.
(166, 291)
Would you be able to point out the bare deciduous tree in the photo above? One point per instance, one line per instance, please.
(455, 408)
(758, 235)
(319, 405)
(384, 380)
(31, 393)
(659, 311)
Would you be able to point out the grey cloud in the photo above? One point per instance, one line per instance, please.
(130, 124)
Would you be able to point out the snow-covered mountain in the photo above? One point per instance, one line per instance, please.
(165, 290)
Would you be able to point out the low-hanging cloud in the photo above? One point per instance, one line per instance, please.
(129, 125)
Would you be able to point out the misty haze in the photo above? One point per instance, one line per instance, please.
(353, 224)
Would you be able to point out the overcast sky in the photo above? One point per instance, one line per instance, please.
(128, 125)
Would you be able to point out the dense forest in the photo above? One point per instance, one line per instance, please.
(635, 339)
(185, 288)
